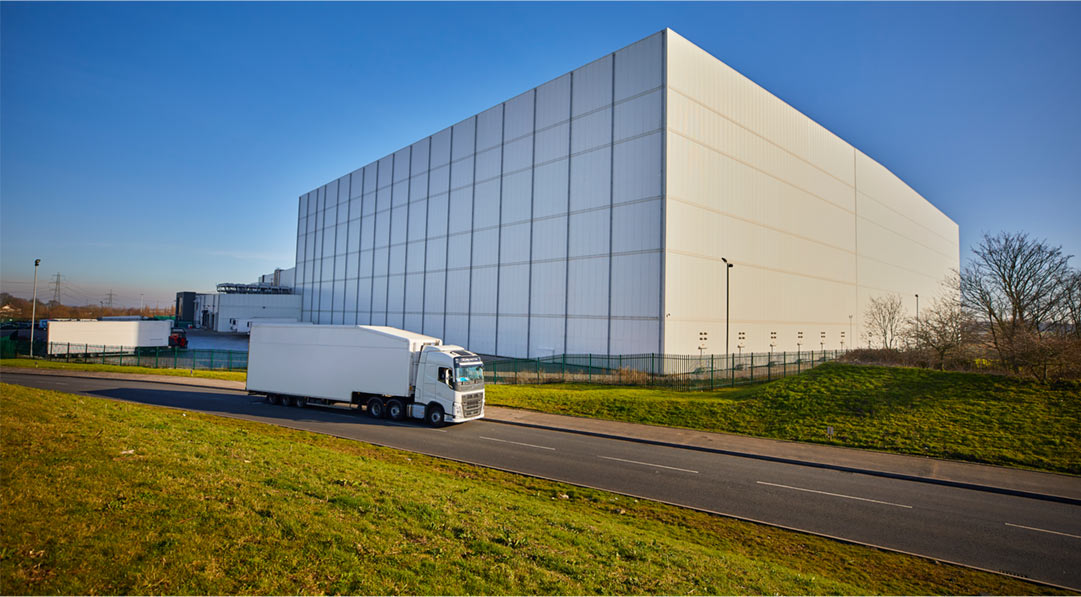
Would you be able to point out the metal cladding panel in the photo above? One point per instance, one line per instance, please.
(400, 193)
(591, 179)
(550, 189)
(482, 334)
(553, 102)
(457, 330)
(350, 318)
(591, 131)
(514, 243)
(441, 148)
(458, 291)
(370, 173)
(881, 185)
(461, 211)
(439, 180)
(380, 261)
(489, 163)
(341, 238)
(640, 115)
(517, 197)
(437, 215)
(514, 289)
(587, 293)
(364, 299)
(368, 204)
(638, 169)
(636, 282)
(546, 336)
(878, 221)
(518, 154)
(434, 288)
(396, 319)
(549, 279)
(418, 186)
(490, 128)
(587, 336)
(367, 263)
(550, 238)
(414, 257)
(419, 157)
(458, 247)
(418, 220)
(386, 172)
(352, 265)
(518, 116)
(484, 290)
(367, 233)
(552, 143)
(464, 134)
(401, 164)
(695, 73)
(461, 173)
(326, 295)
(485, 247)
(640, 67)
(395, 293)
(635, 336)
(396, 262)
(399, 222)
(634, 226)
(592, 86)
(589, 233)
(413, 321)
(350, 289)
(486, 204)
(436, 250)
(513, 332)
(379, 294)
(433, 324)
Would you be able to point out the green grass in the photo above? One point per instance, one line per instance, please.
(962, 416)
(110, 497)
(200, 373)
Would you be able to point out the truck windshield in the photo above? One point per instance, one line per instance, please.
(467, 376)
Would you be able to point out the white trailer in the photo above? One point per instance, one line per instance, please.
(243, 326)
(389, 372)
(107, 336)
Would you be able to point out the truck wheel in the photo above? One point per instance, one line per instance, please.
(301, 401)
(395, 410)
(287, 400)
(273, 399)
(434, 415)
(376, 409)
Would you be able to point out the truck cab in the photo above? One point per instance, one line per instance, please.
(451, 385)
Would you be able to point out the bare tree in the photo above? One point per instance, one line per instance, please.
(945, 328)
(884, 320)
(1015, 284)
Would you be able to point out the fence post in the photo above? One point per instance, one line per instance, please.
(230, 353)
(769, 367)
(752, 366)
(175, 348)
(589, 374)
(564, 366)
(157, 352)
(537, 361)
(211, 366)
(69, 352)
(711, 372)
(784, 364)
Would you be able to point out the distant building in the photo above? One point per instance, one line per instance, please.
(591, 215)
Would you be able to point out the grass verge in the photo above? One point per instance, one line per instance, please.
(961, 416)
(110, 497)
(200, 373)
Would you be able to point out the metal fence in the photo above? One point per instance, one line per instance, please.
(159, 358)
(682, 372)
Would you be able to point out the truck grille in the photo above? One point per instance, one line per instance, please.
(473, 404)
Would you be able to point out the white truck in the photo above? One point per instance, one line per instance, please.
(389, 372)
(106, 336)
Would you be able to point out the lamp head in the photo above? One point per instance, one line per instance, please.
(37, 262)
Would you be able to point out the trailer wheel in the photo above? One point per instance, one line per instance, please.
(395, 409)
(301, 401)
(434, 415)
(287, 400)
(376, 409)
(273, 398)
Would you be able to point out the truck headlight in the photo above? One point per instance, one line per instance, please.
(457, 409)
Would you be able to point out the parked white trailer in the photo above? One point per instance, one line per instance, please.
(107, 336)
(243, 326)
(390, 372)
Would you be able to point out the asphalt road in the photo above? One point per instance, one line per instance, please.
(1026, 537)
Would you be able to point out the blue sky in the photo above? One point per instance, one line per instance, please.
(147, 148)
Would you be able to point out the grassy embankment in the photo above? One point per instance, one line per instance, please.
(110, 497)
(962, 416)
(200, 373)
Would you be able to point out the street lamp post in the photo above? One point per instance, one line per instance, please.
(34, 307)
(727, 294)
(917, 320)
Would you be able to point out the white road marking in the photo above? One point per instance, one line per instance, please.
(674, 468)
(1021, 526)
(507, 441)
(849, 497)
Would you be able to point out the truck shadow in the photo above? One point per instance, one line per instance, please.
(247, 407)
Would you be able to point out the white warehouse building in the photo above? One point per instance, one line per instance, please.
(591, 215)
